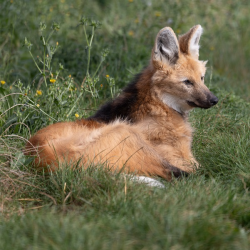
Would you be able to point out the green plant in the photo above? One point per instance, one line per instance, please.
(93, 208)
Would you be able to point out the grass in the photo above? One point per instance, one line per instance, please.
(194, 213)
(97, 209)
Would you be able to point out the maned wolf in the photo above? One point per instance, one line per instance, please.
(145, 130)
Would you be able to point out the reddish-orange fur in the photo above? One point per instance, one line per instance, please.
(156, 137)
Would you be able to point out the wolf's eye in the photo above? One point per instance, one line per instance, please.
(188, 83)
(202, 78)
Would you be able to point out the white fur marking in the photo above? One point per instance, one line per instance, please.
(173, 102)
(194, 42)
(147, 180)
(168, 51)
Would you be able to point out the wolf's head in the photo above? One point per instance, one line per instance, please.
(179, 75)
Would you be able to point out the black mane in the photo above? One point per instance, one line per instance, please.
(121, 106)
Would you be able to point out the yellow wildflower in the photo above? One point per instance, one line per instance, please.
(38, 105)
(76, 115)
(211, 48)
(56, 43)
(158, 13)
(137, 20)
(69, 75)
(52, 80)
(131, 1)
(131, 33)
(10, 87)
(107, 76)
(101, 85)
(3, 82)
(39, 92)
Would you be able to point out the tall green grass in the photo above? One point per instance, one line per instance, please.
(128, 29)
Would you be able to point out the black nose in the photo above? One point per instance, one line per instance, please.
(213, 100)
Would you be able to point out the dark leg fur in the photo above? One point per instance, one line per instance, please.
(174, 170)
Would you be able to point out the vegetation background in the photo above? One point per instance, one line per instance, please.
(51, 71)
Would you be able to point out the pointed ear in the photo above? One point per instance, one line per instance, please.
(189, 42)
(166, 48)
(204, 63)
